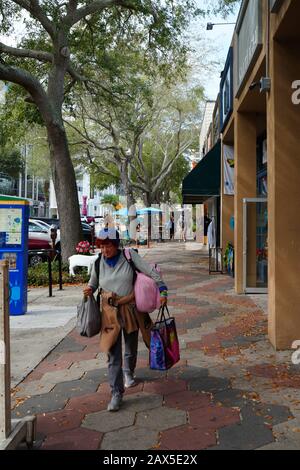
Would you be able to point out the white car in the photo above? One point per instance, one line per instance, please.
(38, 229)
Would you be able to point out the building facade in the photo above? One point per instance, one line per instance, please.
(89, 198)
(260, 123)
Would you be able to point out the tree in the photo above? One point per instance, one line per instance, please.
(48, 62)
(172, 132)
(111, 199)
(140, 138)
(223, 7)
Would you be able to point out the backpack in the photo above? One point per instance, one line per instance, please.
(147, 295)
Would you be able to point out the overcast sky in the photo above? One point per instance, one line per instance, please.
(218, 40)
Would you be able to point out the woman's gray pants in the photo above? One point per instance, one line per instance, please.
(115, 372)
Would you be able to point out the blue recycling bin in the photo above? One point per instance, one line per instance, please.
(14, 216)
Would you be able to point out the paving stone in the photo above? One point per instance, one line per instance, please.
(36, 387)
(160, 419)
(244, 437)
(165, 387)
(106, 421)
(90, 403)
(213, 417)
(196, 322)
(133, 438)
(188, 373)
(89, 365)
(68, 344)
(289, 430)
(271, 414)
(76, 439)
(209, 384)
(72, 357)
(282, 445)
(75, 388)
(145, 374)
(59, 421)
(187, 400)
(98, 375)
(187, 438)
(39, 404)
(141, 402)
(62, 375)
(231, 397)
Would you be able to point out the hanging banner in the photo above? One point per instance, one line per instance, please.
(228, 156)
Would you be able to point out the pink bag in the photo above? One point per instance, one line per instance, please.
(147, 295)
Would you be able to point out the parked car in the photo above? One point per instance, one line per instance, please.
(86, 229)
(41, 230)
(37, 244)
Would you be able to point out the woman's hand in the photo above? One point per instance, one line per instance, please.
(88, 291)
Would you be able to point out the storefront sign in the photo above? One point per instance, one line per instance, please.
(228, 157)
(249, 38)
(226, 91)
(296, 93)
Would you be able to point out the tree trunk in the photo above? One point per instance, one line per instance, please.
(65, 189)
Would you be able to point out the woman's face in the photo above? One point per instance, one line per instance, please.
(109, 250)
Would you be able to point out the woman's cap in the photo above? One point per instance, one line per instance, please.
(107, 235)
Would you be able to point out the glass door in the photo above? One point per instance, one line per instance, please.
(255, 249)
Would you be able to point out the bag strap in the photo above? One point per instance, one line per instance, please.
(161, 314)
(97, 270)
(127, 254)
(97, 266)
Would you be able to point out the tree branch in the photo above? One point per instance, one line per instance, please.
(34, 8)
(42, 56)
(97, 6)
(105, 171)
(31, 84)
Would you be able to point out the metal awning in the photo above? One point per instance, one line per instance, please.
(204, 181)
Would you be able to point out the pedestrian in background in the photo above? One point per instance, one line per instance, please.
(119, 314)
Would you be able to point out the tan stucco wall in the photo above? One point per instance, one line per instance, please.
(227, 210)
(284, 197)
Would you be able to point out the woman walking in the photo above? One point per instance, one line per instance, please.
(115, 276)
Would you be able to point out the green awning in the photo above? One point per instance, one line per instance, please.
(204, 181)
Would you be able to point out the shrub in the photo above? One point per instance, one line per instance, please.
(38, 275)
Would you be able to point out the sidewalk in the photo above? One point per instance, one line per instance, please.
(231, 390)
(47, 321)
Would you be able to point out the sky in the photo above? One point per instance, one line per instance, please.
(217, 43)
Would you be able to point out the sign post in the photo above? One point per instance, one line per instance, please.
(12, 432)
(5, 422)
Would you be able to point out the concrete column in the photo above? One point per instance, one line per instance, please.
(245, 183)
(284, 196)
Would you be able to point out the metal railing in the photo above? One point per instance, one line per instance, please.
(49, 255)
(215, 260)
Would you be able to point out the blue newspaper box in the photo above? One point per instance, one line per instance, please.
(14, 215)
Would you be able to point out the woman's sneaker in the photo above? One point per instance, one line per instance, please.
(129, 380)
(115, 402)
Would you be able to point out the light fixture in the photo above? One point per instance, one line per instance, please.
(264, 85)
(210, 26)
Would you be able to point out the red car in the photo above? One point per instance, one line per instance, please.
(36, 244)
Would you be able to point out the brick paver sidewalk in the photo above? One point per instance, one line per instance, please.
(230, 390)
